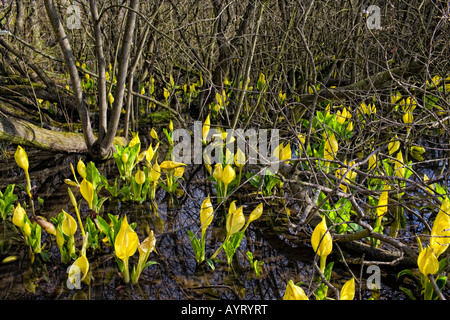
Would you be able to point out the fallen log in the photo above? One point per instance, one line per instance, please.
(22, 132)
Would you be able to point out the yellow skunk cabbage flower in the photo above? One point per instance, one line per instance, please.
(207, 163)
(153, 134)
(27, 229)
(408, 117)
(301, 137)
(110, 98)
(348, 290)
(367, 109)
(124, 158)
(19, 216)
(134, 141)
(331, 147)
(235, 221)
(239, 158)
(341, 117)
(427, 262)
(416, 152)
(205, 129)
(125, 246)
(440, 233)
(169, 165)
(87, 191)
(228, 175)
(155, 172)
(145, 248)
(382, 202)
(322, 242)
(81, 168)
(286, 153)
(256, 213)
(373, 162)
(141, 156)
(395, 97)
(21, 158)
(178, 172)
(140, 177)
(340, 173)
(394, 145)
(294, 292)
(166, 94)
(74, 203)
(79, 268)
(206, 215)
(149, 154)
(399, 168)
(69, 225)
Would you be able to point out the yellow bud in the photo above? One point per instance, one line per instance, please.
(21, 158)
(87, 191)
(111, 98)
(27, 229)
(256, 213)
(235, 221)
(19, 216)
(348, 290)
(321, 240)
(239, 158)
(205, 129)
(124, 157)
(218, 170)
(81, 168)
(155, 172)
(228, 174)
(69, 225)
(59, 238)
(149, 154)
(153, 134)
(206, 215)
(140, 177)
(331, 147)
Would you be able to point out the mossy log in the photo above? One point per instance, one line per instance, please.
(22, 132)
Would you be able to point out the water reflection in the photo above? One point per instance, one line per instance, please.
(176, 276)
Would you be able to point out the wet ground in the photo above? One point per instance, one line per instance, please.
(176, 276)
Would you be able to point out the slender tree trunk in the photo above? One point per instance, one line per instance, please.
(106, 144)
(101, 67)
(71, 65)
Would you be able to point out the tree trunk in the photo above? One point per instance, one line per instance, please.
(22, 132)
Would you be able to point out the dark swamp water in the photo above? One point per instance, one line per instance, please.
(176, 276)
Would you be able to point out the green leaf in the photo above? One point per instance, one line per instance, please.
(231, 245)
(149, 263)
(407, 292)
(210, 264)
(196, 246)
